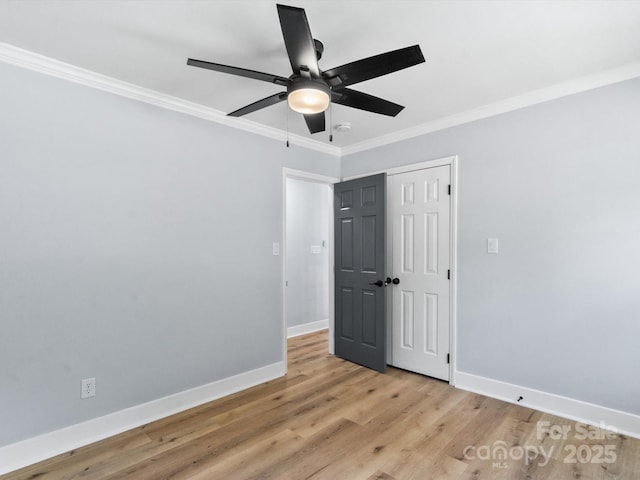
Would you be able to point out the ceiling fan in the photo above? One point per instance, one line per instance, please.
(309, 90)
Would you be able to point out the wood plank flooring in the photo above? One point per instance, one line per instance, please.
(330, 419)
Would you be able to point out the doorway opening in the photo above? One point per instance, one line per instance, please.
(307, 254)
(449, 244)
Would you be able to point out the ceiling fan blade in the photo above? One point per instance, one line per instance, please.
(373, 67)
(364, 101)
(298, 40)
(242, 72)
(265, 102)
(315, 122)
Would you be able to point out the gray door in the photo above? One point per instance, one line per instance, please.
(360, 327)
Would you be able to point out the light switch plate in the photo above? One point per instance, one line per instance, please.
(492, 245)
(316, 249)
(276, 248)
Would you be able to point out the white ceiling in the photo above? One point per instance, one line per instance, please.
(477, 52)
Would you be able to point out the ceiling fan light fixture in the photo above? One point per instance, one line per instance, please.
(308, 97)
(310, 90)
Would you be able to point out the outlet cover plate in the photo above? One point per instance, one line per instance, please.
(88, 387)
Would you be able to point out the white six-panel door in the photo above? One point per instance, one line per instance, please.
(420, 207)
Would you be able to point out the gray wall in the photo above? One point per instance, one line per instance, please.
(135, 247)
(558, 309)
(307, 273)
(131, 238)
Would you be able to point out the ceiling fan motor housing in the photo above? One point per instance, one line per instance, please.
(319, 48)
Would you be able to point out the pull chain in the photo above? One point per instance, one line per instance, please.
(287, 107)
(330, 121)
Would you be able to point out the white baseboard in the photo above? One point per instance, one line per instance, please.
(310, 327)
(33, 450)
(577, 410)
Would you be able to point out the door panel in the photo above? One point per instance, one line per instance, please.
(406, 243)
(420, 207)
(406, 317)
(346, 301)
(369, 244)
(360, 333)
(346, 243)
(369, 311)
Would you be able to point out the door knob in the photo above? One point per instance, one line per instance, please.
(395, 281)
(377, 283)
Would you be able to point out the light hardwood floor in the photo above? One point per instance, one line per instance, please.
(330, 419)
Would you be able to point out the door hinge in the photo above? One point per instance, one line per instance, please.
(449, 190)
(448, 358)
(448, 274)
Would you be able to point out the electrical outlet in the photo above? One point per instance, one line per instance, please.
(88, 387)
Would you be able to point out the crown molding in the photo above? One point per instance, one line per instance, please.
(33, 61)
(577, 85)
(39, 63)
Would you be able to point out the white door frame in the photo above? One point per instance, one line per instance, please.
(329, 181)
(452, 161)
